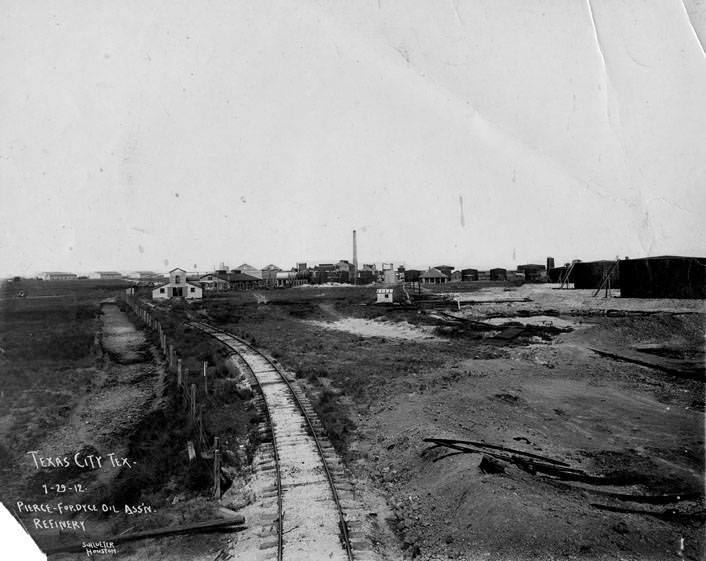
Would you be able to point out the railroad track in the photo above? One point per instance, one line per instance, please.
(310, 484)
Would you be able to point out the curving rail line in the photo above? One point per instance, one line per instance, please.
(310, 508)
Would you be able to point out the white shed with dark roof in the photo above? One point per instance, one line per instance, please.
(178, 287)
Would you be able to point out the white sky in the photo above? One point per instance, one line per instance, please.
(147, 135)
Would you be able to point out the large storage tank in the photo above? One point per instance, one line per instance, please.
(663, 277)
(498, 274)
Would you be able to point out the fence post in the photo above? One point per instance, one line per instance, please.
(193, 402)
(179, 372)
(171, 355)
(201, 436)
(205, 377)
(217, 467)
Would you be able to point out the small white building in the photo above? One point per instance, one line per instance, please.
(58, 276)
(109, 275)
(178, 287)
(384, 295)
(389, 295)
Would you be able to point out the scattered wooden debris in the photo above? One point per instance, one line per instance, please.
(697, 373)
(490, 465)
(466, 446)
(510, 333)
(553, 471)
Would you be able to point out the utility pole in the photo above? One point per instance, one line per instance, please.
(355, 258)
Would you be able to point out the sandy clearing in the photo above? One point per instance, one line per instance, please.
(549, 296)
(385, 329)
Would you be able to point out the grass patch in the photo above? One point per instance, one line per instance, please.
(364, 370)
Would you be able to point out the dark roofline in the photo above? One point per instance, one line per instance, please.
(238, 277)
(217, 275)
(665, 257)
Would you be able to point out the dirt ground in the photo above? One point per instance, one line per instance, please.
(610, 386)
(113, 382)
(560, 400)
(400, 377)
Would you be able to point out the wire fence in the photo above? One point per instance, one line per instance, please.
(187, 392)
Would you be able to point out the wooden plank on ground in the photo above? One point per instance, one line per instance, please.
(657, 364)
(509, 333)
(236, 521)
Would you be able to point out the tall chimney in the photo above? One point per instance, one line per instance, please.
(355, 258)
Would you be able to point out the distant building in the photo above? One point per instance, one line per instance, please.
(412, 275)
(324, 272)
(249, 270)
(456, 276)
(269, 274)
(556, 274)
(109, 275)
(367, 274)
(663, 277)
(533, 272)
(148, 276)
(341, 272)
(214, 282)
(389, 275)
(515, 276)
(445, 269)
(286, 279)
(433, 276)
(388, 295)
(241, 281)
(498, 274)
(346, 271)
(589, 274)
(58, 276)
(469, 275)
(178, 287)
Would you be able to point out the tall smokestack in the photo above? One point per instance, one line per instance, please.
(355, 258)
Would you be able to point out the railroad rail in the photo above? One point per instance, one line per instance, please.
(311, 521)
